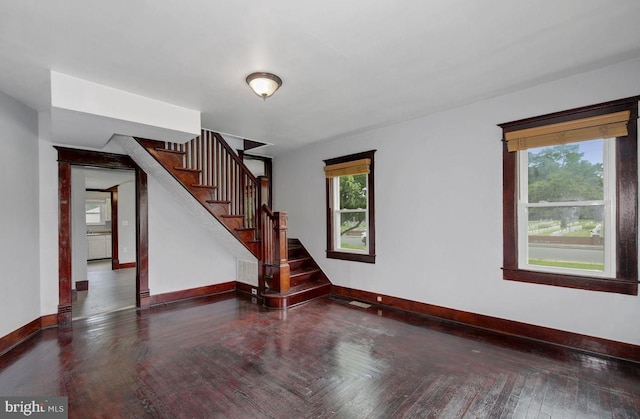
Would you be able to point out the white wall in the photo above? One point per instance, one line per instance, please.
(439, 210)
(127, 222)
(19, 248)
(181, 254)
(48, 174)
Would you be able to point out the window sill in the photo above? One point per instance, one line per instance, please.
(570, 281)
(354, 257)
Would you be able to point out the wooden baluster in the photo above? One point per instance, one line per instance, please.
(201, 158)
(209, 179)
(218, 164)
(187, 154)
(261, 199)
(192, 165)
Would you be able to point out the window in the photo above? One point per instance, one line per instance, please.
(350, 209)
(570, 198)
(566, 206)
(95, 211)
(97, 207)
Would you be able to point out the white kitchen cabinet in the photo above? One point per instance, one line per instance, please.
(98, 246)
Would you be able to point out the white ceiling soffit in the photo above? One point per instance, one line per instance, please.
(88, 114)
(346, 66)
(104, 179)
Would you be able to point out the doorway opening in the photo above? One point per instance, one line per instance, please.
(103, 240)
(70, 160)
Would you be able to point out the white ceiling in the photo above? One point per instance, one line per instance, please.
(104, 179)
(347, 66)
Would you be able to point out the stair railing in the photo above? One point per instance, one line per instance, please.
(221, 167)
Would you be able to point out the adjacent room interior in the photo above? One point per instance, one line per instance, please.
(105, 282)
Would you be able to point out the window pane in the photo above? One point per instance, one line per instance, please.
(353, 192)
(567, 237)
(353, 230)
(567, 172)
(93, 212)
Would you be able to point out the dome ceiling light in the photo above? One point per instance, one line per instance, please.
(264, 84)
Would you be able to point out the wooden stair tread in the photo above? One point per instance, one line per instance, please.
(245, 228)
(199, 185)
(166, 150)
(298, 294)
(215, 201)
(312, 285)
(304, 271)
(231, 216)
(187, 169)
(300, 259)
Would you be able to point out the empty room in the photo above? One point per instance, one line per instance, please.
(364, 209)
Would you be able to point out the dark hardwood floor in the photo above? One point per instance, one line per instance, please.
(108, 291)
(224, 357)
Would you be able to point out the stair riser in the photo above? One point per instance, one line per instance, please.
(300, 279)
(296, 253)
(187, 177)
(285, 302)
(151, 145)
(218, 208)
(203, 194)
(233, 222)
(245, 235)
(296, 265)
(168, 159)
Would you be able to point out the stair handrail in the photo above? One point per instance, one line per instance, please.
(234, 155)
(222, 167)
(231, 183)
(268, 210)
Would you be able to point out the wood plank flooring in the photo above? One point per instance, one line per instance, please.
(109, 290)
(225, 357)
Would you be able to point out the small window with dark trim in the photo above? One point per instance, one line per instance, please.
(350, 207)
(570, 198)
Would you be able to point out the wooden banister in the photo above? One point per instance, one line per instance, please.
(221, 171)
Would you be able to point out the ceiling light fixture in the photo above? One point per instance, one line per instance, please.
(264, 84)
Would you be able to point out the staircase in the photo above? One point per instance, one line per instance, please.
(216, 177)
(307, 281)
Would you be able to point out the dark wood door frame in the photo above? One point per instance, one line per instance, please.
(68, 157)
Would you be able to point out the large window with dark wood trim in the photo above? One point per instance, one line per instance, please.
(570, 198)
(350, 207)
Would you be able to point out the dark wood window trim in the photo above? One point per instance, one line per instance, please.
(66, 158)
(626, 280)
(371, 228)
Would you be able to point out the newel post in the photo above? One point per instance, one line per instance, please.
(281, 273)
